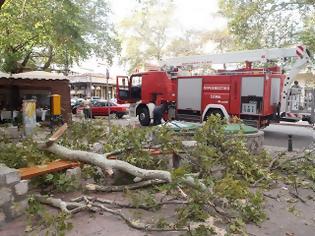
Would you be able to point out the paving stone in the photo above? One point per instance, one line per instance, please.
(18, 208)
(5, 195)
(2, 217)
(21, 188)
(8, 175)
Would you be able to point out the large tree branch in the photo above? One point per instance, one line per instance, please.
(22, 45)
(104, 163)
(1, 3)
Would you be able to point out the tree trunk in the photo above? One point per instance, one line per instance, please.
(24, 63)
(50, 57)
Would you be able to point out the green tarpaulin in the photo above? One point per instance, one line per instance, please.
(229, 128)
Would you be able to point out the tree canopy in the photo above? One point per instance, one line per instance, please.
(270, 23)
(144, 32)
(37, 34)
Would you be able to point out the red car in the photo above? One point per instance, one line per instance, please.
(104, 108)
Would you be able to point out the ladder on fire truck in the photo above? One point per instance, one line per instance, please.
(299, 54)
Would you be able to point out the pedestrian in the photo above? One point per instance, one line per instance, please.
(87, 108)
(158, 113)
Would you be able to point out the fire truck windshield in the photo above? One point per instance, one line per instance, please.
(136, 82)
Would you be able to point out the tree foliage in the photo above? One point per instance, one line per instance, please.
(190, 43)
(37, 34)
(269, 23)
(144, 34)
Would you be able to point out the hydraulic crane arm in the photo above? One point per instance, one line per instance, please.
(258, 55)
(300, 54)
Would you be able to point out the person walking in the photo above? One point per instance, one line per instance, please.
(87, 108)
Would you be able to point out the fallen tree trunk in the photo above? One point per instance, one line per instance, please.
(104, 163)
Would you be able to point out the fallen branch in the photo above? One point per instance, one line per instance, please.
(74, 207)
(67, 207)
(127, 205)
(270, 196)
(297, 196)
(270, 168)
(134, 224)
(120, 188)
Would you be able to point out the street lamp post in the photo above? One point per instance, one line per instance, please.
(107, 85)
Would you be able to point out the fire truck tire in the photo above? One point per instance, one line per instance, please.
(144, 116)
(213, 112)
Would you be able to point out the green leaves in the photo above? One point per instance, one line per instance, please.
(269, 23)
(54, 32)
(23, 154)
(144, 33)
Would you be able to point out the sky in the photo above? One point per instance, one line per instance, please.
(188, 14)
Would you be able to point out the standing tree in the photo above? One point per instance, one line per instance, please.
(36, 34)
(269, 23)
(191, 43)
(145, 33)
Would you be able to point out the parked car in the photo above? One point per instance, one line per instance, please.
(95, 98)
(104, 108)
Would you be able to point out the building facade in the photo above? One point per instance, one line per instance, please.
(92, 85)
(37, 85)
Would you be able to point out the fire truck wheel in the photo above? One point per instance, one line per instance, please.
(213, 112)
(144, 116)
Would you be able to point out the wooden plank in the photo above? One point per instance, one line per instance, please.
(29, 172)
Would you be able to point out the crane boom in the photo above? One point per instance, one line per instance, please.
(235, 57)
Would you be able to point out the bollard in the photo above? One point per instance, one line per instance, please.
(290, 146)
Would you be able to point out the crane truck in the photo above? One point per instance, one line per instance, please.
(258, 96)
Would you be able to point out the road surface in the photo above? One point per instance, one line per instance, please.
(277, 136)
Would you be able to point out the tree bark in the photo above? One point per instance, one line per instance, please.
(25, 61)
(50, 57)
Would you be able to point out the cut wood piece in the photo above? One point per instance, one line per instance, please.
(57, 134)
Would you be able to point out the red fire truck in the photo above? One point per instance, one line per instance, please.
(259, 96)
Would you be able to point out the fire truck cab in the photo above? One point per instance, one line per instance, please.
(258, 96)
(145, 91)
